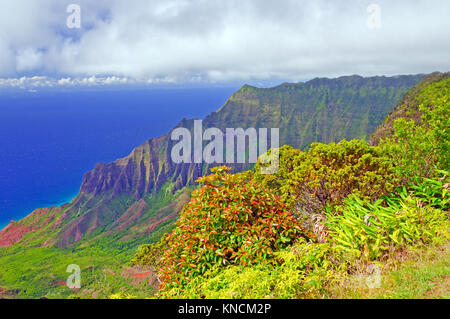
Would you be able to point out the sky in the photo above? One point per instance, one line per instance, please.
(209, 41)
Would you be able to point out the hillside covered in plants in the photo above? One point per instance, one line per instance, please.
(329, 215)
(337, 220)
(130, 199)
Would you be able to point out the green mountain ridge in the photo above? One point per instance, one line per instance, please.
(334, 221)
(125, 202)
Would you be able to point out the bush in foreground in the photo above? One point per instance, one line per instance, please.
(360, 233)
(230, 220)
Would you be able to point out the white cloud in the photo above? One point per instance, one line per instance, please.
(44, 81)
(26, 82)
(28, 60)
(208, 40)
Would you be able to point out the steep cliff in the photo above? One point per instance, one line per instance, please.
(128, 200)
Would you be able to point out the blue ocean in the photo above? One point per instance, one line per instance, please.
(48, 140)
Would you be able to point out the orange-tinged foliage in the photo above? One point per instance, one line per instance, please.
(230, 220)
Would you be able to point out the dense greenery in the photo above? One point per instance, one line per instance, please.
(352, 205)
(229, 221)
(28, 270)
(357, 230)
(40, 272)
(369, 231)
(327, 174)
(419, 146)
(330, 211)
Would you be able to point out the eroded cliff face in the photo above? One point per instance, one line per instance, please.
(144, 171)
(136, 195)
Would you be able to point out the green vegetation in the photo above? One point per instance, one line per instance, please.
(419, 146)
(368, 231)
(416, 274)
(229, 221)
(29, 270)
(329, 173)
(419, 279)
(41, 272)
(346, 207)
(321, 110)
(331, 213)
(355, 232)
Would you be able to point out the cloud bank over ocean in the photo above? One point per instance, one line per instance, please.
(182, 41)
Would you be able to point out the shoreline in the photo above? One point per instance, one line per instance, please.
(56, 203)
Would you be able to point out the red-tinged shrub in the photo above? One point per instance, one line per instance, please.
(229, 220)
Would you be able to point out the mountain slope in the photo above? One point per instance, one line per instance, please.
(408, 107)
(136, 197)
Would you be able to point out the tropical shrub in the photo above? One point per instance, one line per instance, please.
(326, 175)
(289, 158)
(428, 192)
(230, 220)
(358, 229)
(334, 171)
(297, 271)
(414, 217)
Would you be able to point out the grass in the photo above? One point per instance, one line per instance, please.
(426, 276)
(420, 274)
(38, 272)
